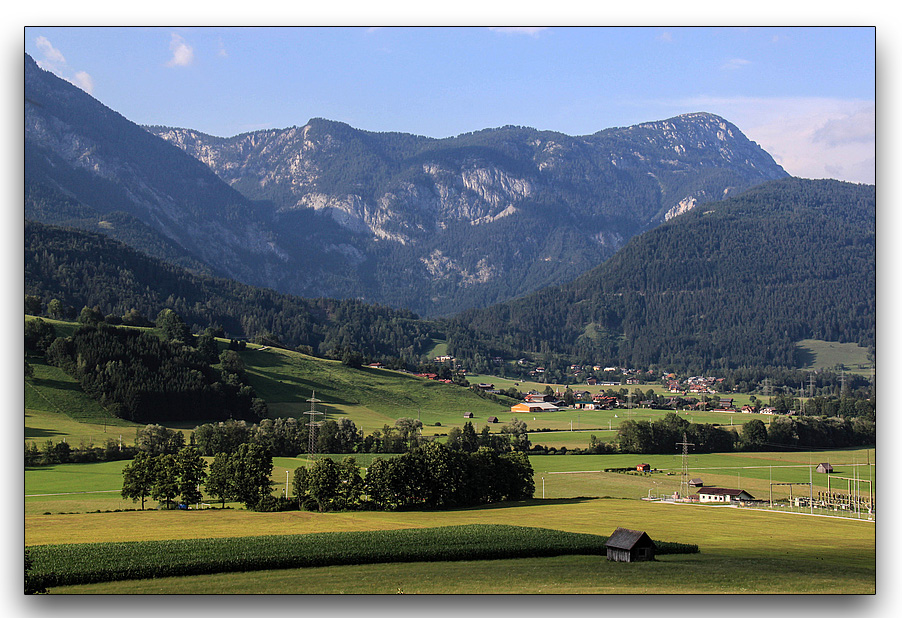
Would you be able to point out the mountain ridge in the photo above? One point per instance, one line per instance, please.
(432, 225)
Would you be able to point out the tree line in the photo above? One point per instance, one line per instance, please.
(429, 476)
(663, 435)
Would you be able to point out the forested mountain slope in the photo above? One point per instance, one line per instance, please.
(732, 283)
(84, 269)
(119, 175)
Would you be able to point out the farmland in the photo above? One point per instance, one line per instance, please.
(81, 503)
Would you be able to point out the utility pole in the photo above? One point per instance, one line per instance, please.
(313, 425)
(684, 472)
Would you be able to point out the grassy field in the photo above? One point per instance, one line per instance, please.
(830, 354)
(816, 554)
(85, 488)
(57, 409)
(76, 503)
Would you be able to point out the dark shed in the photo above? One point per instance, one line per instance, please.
(492, 419)
(629, 546)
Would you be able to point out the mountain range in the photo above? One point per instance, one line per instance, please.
(435, 226)
(674, 243)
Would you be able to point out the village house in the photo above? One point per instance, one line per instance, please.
(723, 495)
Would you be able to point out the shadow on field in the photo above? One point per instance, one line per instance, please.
(56, 384)
(532, 502)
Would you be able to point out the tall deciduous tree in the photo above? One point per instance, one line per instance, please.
(221, 481)
(192, 471)
(138, 478)
(166, 479)
(251, 469)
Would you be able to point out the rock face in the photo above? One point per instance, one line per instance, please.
(433, 225)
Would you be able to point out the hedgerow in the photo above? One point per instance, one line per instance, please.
(60, 565)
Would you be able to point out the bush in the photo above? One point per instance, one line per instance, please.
(275, 504)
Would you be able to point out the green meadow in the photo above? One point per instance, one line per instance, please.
(80, 503)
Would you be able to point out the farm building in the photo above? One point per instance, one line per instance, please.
(720, 494)
(629, 546)
(492, 419)
(696, 483)
(643, 467)
(468, 415)
(824, 468)
(532, 408)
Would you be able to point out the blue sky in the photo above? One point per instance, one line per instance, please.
(807, 95)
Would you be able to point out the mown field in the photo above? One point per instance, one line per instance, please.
(816, 554)
(80, 503)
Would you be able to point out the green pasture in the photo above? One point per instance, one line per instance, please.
(798, 553)
(85, 488)
(371, 397)
(832, 354)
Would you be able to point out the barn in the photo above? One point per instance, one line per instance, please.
(824, 468)
(626, 545)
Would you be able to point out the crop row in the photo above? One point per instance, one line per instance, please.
(58, 565)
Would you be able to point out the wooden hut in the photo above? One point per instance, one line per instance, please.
(696, 483)
(643, 467)
(824, 468)
(629, 546)
(492, 419)
(468, 415)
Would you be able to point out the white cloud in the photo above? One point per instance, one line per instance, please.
(735, 63)
(810, 137)
(84, 81)
(182, 53)
(530, 30)
(53, 60)
(665, 37)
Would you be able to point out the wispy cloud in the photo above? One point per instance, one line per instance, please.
(528, 30)
(53, 60)
(735, 63)
(665, 37)
(182, 53)
(811, 137)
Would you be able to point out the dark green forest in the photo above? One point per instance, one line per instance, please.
(730, 284)
(141, 377)
(81, 269)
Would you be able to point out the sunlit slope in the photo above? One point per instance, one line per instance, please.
(368, 396)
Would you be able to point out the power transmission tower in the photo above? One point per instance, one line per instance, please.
(313, 426)
(684, 472)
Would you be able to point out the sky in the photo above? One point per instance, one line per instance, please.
(807, 95)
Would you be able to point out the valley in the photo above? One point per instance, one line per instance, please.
(308, 341)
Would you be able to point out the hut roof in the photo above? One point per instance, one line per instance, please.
(623, 538)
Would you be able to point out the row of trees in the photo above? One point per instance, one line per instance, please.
(663, 435)
(288, 437)
(430, 476)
